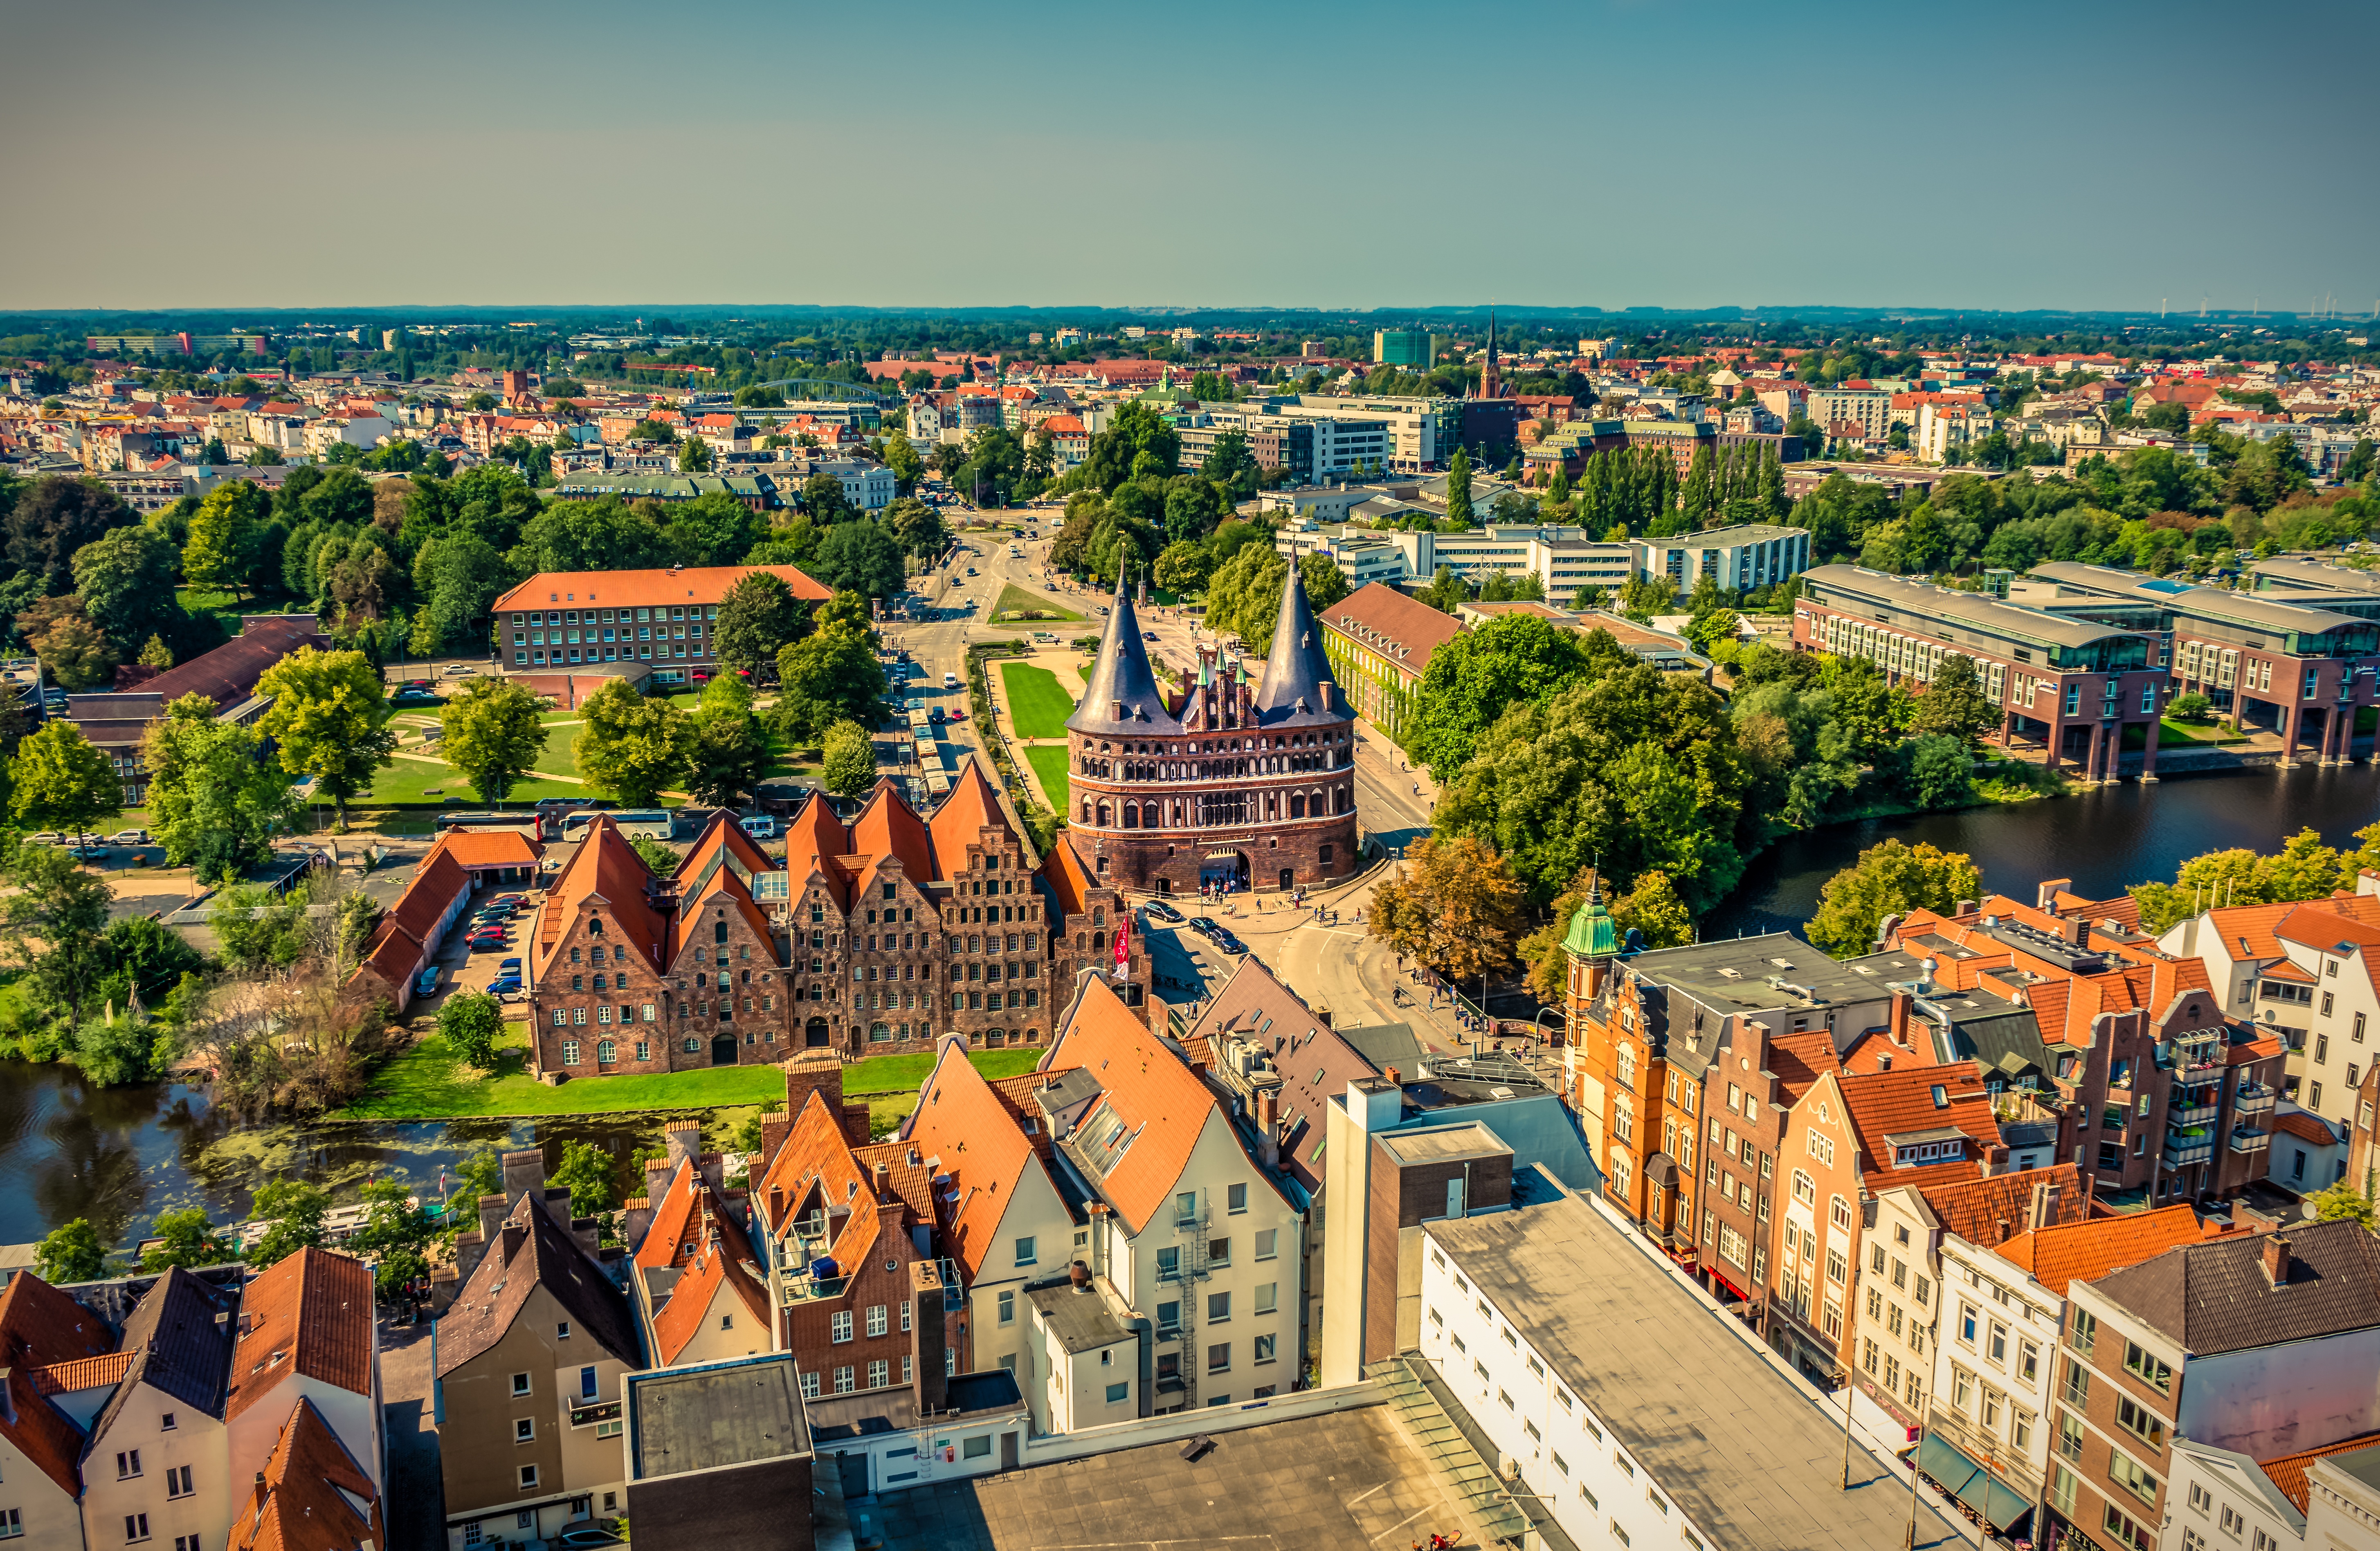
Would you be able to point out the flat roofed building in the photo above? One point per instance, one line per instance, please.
(667, 618)
(1752, 555)
(718, 1454)
(2068, 686)
(1633, 1414)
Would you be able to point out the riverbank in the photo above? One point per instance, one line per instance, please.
(430, 1081)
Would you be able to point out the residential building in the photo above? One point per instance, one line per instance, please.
(313, 1494)
(2226, 1496)
(2302, 973)
(1943, 433)
(2262, 1344)
(1868, 408)
(308, 1340)
(114, 722)
(528, 1363)
(667, 618)
(412, 930)
(1753, 555)
(718, 1454)
(1603, 1390)
(1225, 782)
(2299, 671)
(2077, 689)
(698, 1290)
(157, 1456)
(1379, 642)
(1405, 347)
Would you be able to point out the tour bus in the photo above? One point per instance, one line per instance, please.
(460, 819)
(636, 823)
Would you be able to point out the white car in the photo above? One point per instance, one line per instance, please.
(759, 826)
(950, 681)
(129, 837)
(458, 670)
(46, 837)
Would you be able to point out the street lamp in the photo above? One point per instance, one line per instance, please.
(1844, 1376)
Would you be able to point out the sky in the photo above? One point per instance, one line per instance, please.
(2102, 155)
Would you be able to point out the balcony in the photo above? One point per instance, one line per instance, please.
(589, 1415)
(2254, 1099)
(2184, 1112)
(2183, 1148)
(2248, 1139)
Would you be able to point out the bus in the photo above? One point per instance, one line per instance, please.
(636, 823)
(468, 820)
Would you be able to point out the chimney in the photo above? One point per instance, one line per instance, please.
(818, 1071)
(775, 1126)
(2044, 1209)
(524, 1175)
(2001, 1230)
(1897, 1024)
(2078, 931)
(777, 1208)
(684, 1139)
(492, 1218)
(515, 1235)
(1964, 908)
(1268, 1127)
(1159, 1016)
(926, 1341)
(1322, 1016)
(2276, 1260)
(1395, 1081)
(884, 1182)
(2046, 897)
(1078, 1277)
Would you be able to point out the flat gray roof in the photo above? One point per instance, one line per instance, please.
(1442, 1143)
(2237, 608)
(1077, 1318)
(1720, 538)
(1975, 609)
(2316, 573)
(1735, 972)
(1751, 1457)
(718, 1414)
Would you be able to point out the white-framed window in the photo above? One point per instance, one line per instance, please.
(844, 1383)
(879, 1373)
(877, 1319)
(524, 1429)
(839, 1325)
(809, 1386)
(1268, 1297)
(1025, 1253)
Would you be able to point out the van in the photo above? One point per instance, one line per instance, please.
(759, 826)
(425, 984)
(1043, 639)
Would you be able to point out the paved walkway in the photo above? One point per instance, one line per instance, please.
(417, 1490)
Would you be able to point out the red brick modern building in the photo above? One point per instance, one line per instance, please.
(1224, 781)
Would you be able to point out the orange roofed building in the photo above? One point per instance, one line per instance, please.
(666, 618)
(879, 934)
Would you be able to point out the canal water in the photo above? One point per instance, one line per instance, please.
(2104, 838)
(119, 1157)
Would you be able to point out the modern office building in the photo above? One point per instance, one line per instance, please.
(1406, 347)
(1752, 555)
(2082, 690)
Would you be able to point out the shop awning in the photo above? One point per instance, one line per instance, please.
(1999, 1504)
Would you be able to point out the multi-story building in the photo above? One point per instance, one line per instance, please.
(115, 721)
(1576, 1380)
(1125, 1252)
(1225, 782)
(1409, 347)
(528, 1362)
(1379, 642)
(1942, 433)
(1868, 408)
(2262, 1344)
(872, 936)
(666, 618)
(698, 1290)
(2299, 671)
(2303, 974)
(1992, 1329)
(2077, 689)
(2318, 1499)
(1754, 555)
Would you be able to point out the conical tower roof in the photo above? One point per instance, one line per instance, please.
(1592, 932)
(1123, 700)
(1296, 668)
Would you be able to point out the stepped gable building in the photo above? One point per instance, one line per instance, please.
(1222, 782)
(877, 935)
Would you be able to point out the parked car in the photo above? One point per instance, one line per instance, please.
(1206, 926)
(131, 837)
(1229, 944)
(93, 853)
(515, 901)
(485, 942)
(503, 984)
(457, 671)
(46, 837)
(1157, 910)
(426, 983)
(509, 966)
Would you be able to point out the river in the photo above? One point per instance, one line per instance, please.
(2103, 838)
(120, 1157)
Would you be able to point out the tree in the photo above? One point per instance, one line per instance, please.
(1890, 878)
(126, 580)
(329, 716)
(1231, 465)
(587, 536)
(588, 1173)
(391, 1224)
(902, 458)
(1182, 567)
(294, 1211)
(71, 1254)
(829, 677)
(493, 734)
(54, 924)
(2304, 869)
(715, 528)
(918, 528)
(188, 1240)
(1455, 907)
(74, 652)
(215, 802)
(633, 749)
(59, 782)
(2344, 1201)
(825, 502)
(658, 858)
(1941, 771)
(52, 519)
(225, 532)
(1138, 441)
(156, 653)
(859, 556)
(480, 1174)
(729, 754)
(471, 1023)
(1458, 489)
(1953, 704)
(850, 759)
(694, 455)
(1653, 910)
(1474, 678)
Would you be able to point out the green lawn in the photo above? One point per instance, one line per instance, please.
(1038, 704)
(1016, 600)
(1049, 761)
(2171, 732)
(413, 781)
(423, 1084)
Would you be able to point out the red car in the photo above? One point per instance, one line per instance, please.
(484, 940)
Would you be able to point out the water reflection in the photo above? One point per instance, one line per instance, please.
(2104, 839)
(121, 1156)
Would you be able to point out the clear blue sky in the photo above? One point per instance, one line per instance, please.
(2069, 155)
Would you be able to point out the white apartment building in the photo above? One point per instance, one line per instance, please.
(1188, 1253)
(1752, 555)
(1611, 1388)
(1870, 408)
(1943, 429)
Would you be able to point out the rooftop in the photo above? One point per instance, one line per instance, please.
(2215, 1297)
(1077, 1318)
(1975, 609)
(1751, 1457)
(1755, 974)
(718, 1414)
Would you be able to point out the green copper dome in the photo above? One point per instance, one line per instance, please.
(1592, 934)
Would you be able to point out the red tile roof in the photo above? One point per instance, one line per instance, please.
(83, 1372)
(2289, 1472)
(962, 1130)
(492, 848)
(2066, 1252)
(696, 583)
(693, 1233)
(311, 1485)
(1400, 628)
(309, 1314)
(2306, 1128)
(1974, 1209)
(606, 872)
(1153, 1091)
(1899, 1103)
(42, 1327)
(960, 819)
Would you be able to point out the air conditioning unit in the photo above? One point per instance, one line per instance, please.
(1509, 1466)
